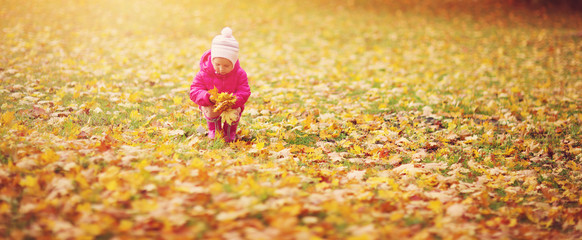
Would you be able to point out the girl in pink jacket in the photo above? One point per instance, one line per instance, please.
(220, 68)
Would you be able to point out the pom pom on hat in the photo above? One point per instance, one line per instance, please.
(226, 32)
(225, 45)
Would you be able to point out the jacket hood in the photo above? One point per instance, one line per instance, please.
(206, 65)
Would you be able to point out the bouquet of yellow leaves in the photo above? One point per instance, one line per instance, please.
(223, 101)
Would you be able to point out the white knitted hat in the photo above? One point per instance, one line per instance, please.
(225, 46)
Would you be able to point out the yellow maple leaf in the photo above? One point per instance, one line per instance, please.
(229, 116)
(49, 156)
(436, 206)
(213, 94)
(112, 185)
(111, 172)
(134, 115)
(125, 225)
(144, 205)
(142, 164)
(135, 97)
(29, 181)
(292, 210)
(396, 216)
(512, 222)
(92, 229)
(356, 150)
(375, 181)
(293, 121)
(177, 100)
(84, 208)
(7, 118)
(259, 146)
(360, 237)
(438, 221)
(393, 184)
(4, 208)
(81, 181)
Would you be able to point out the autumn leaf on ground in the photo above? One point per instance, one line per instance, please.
(405, 119)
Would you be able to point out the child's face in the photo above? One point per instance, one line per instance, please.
(222, 65)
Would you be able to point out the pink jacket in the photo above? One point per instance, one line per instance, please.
(235, 82)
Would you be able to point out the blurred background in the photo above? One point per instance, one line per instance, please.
(450, 46)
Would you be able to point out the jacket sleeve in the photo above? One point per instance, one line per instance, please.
(198, 92)
(243, 91)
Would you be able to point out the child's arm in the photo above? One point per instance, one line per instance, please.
(243, 91)
(198, 92)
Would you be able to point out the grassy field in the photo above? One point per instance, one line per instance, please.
(367, 120)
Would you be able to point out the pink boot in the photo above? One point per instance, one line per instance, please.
(230, 132)
(213, 124)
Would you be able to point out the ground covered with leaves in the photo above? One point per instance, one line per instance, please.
(368, 120)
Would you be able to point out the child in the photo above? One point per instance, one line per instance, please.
(220, 68)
